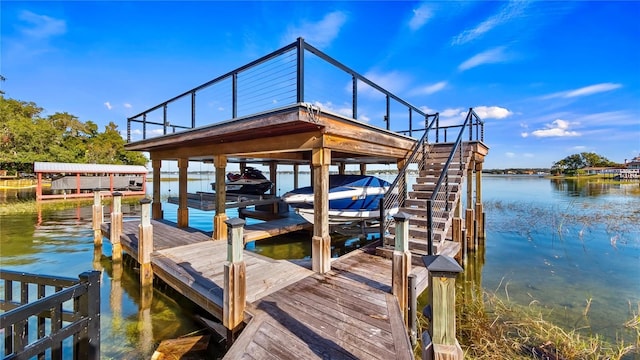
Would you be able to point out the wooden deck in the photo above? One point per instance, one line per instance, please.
(348, 313)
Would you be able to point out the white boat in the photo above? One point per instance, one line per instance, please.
(352, 198)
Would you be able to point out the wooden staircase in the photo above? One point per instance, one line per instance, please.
(443, 204)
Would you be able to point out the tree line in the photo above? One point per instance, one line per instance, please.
(27, 136)
(573, 163)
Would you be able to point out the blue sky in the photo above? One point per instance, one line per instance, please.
(550, 79)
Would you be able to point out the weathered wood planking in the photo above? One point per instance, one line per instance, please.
(339, 315)
(267, 229)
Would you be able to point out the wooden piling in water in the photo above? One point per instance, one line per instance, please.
(235, 282)
(145, 244)
(97, 218)
(116, 228)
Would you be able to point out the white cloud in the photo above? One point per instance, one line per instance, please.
(510, 155)
(579, 148)
(155, 132)
(558, 128)
(320, 33)
(108, 105)
(430, 89)
(455, 112)
(42, 26)
(127, 106)
(524, 134)
(136, 132)
(585, 91)
(508, 12)
(491, 56)
(528, 155)
(420, 17)
(394, 82)
(492, 112)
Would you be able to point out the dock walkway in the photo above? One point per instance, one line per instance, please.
(347, 313)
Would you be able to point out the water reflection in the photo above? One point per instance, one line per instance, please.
(590, 187)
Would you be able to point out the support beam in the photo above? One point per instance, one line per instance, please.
(219, 225)
(183, 209)
(296, 172)
(321, 241)
(363, 169)
(156, 165)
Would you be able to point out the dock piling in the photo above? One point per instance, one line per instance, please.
(145, 244)
(116, 228)
(97, 219)
(234, 279)
(442, 296)
(401, 263)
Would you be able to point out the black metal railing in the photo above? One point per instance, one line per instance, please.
(292, 74)
(439, 204)
(47, 310)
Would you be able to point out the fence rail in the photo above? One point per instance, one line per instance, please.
(47, 311)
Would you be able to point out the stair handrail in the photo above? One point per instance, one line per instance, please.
(444, 174)
(392, 197)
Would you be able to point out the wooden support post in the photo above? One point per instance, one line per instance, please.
(480, 225)
(39, 187)
(456, 230)
(342, 168)
(413, 310)
(116, 227)
(469, 223)
(145, 244)
(296, 172)
(97, 218)
(234, 279)
(363, 169)
(183, 209)
(219, 225)
(273, 177)
(401, 263)
(321, 241)
(442, 297)
(157, 204)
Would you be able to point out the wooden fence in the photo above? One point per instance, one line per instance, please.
(46, 311)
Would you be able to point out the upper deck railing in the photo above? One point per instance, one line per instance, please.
(296, 73)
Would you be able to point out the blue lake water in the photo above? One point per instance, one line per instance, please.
(558, 244)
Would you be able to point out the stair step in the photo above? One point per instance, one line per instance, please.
(425, 195)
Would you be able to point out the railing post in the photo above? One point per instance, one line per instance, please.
(145, 244)
(97, 218)
(442, 296)
(300, 72)
(430, 227)
(116, 227)
(401, 263)
(89, 305)
(234, 279)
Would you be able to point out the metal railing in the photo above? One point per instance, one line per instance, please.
(439, 204)
(396, 195)
(283, 77)
(37, 323)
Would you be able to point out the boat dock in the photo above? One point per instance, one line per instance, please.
(355, 306)
(346, 313)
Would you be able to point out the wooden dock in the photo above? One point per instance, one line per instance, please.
(347, 313)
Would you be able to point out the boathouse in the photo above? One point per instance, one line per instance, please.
(74, 180)
(298, 106)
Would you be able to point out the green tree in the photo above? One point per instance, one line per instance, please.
(573, 163)
(26, 136)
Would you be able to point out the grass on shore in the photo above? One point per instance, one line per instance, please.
(489, 327)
